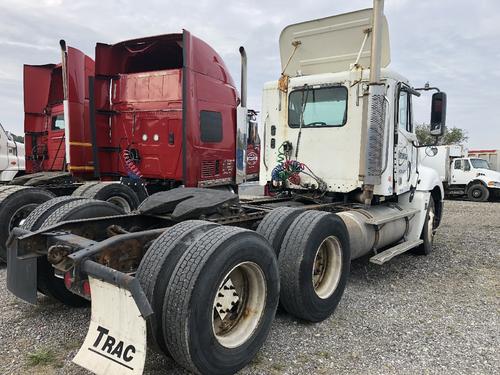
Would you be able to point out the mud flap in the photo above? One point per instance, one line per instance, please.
(116, 340)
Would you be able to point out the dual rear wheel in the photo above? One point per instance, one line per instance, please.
(214, 291)
(313, 257)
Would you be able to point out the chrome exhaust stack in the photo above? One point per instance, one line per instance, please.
(242, 124)
(64, 63)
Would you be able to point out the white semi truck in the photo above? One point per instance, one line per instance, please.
(12, 162)
(198, 273)
(463, 176)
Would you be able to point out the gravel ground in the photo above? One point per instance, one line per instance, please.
(436, 314)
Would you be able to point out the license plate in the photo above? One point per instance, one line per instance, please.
(116, 340)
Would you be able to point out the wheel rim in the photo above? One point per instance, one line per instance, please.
(20, 215)
(477, 193)
(239, 304)
(120, 202)
(327, 267)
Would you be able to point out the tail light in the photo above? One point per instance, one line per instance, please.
(68, 280)
(86, 288)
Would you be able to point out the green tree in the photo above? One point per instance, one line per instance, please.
(452, 136)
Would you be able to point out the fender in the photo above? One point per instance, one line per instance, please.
(428, 179)
(474, 182)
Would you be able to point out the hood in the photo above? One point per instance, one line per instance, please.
(489, 174)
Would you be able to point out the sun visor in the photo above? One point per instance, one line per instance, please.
(330, 45)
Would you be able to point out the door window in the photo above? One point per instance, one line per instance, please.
(466, 165)
(404, 113)
(458, 164)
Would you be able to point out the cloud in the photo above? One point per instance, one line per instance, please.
(452, 44)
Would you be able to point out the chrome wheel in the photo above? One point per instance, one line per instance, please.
(120, 202)
(327, 267)
(239, 304)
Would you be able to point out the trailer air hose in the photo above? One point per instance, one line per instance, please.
(290, 170)
(132, 169)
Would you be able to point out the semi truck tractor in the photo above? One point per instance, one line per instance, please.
(197, 273)
(12, 162)
(122, 127)
(470, 177)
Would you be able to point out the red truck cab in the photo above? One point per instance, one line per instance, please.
(52, 144)
(165, 110)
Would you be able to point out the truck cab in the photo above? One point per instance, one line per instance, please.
(462, 176)
(56, 114)
(475, 178)
(318, 118)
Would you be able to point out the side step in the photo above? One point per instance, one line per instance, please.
(390, 253)
(387, 219)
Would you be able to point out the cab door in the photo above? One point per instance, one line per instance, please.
(405, 176)
(462, 172)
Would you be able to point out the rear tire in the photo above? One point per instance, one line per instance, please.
(114, 192)
(47, 282)
(16, 203)
(314, 264)
(80, 190)
(40, 214)
(228, 268)
(275, 225)
(157, 267)
(478, 193)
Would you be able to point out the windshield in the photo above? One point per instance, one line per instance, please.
(480, 163)
(323, 107)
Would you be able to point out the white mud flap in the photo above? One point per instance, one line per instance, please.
(116, 340)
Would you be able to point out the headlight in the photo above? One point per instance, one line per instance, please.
(493, 184)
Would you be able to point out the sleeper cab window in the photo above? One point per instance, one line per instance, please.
(318, 107)
(210, 126)
(58, 122)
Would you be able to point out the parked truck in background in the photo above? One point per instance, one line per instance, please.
(198, 272)
(123, 127)
(463, 176)
(491, 156)
(12, 162)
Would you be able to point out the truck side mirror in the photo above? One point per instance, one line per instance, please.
(438, 114)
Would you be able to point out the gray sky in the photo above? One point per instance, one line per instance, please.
(453, 44)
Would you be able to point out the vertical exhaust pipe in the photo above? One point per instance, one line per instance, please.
(64, 63)
(242, 124)
(376, 109)
(376, 48)
(243, 55)
(64, 58)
